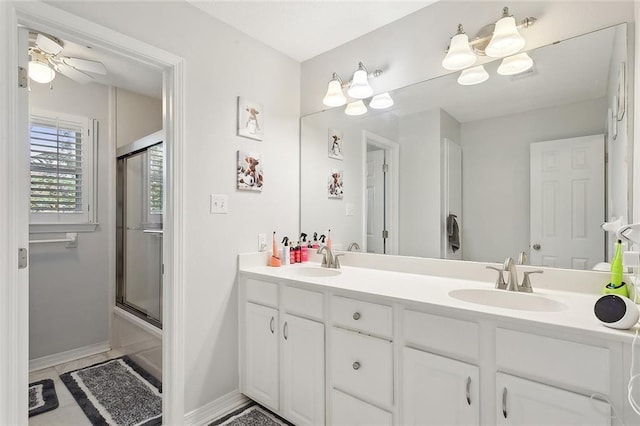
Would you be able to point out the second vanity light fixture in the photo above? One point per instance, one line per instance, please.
(499, 40)
(358, 88)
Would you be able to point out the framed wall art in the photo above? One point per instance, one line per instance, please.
(334, 144)
(250, 119)
(250, 175)
(335, 185)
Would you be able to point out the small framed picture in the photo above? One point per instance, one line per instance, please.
(250, 119)
(335, 185)
(250, 175)
(334, 144)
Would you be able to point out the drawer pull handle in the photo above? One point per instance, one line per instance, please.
(356, 316)
(504, 402)
(271, 325)
(469, 390)
(356, 365)
(285, 331)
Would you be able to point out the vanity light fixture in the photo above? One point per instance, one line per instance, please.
(356, 108)
(381, 101)
(459, 54)
(506, 39)
(334, 96)
(360, 87)
(471, 76)
(515, 64)
(39, 69)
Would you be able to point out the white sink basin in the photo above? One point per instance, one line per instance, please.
(310, 271)
(508, 299)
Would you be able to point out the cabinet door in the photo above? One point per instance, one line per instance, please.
(438, 390)
(350, 411)
(523, 402)
(261, 354)
(303, 370)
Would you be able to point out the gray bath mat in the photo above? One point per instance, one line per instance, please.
(42, 397)
(116, 392)
(253, 415)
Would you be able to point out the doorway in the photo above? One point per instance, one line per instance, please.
(14, 348)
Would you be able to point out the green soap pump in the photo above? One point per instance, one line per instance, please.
(617, 286)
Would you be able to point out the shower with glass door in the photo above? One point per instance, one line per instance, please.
(139, 230)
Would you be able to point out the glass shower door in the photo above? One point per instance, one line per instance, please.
(140, 234)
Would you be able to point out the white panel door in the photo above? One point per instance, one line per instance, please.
(303, 370)
(261, 354)
(567, 202)
(523, 402)
(375, 201)
(438, 390)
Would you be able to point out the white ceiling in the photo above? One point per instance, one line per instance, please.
(302, 29)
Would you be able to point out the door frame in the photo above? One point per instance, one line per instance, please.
(14, 296)
(392, 158)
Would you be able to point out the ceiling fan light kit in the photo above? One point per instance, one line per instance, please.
(45, 61)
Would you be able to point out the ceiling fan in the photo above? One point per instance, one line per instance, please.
(45, 59)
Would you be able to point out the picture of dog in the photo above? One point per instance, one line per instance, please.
(249, 172)
(335, 144)
(335, 184)
(250, 119)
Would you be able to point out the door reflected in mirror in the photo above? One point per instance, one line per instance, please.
(517, 162)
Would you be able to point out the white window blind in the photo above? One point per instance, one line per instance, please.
(61, 168)
(155, 159)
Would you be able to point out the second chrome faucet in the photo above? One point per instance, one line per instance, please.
(512, 278)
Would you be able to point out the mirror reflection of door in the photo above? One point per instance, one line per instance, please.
(567, 202)
(375, 199)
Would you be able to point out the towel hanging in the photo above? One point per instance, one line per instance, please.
(453, 232)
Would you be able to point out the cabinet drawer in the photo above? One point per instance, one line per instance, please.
(552, 360)
(350, 411)
(262, 292)
(302, 302)
(362, 365)
(441, 334)
(362, 316)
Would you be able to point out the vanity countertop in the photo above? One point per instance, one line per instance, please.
(433, 292)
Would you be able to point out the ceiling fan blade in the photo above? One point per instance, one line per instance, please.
(48, 45)
(74, 74)
(85, 65)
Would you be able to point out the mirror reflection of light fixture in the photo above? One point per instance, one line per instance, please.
(460, 55)
(334, 97)
(360, 87)
(381, 101)
(39, 69)
(506, 39)
(471, 76)
(515, 64)
(356, 108)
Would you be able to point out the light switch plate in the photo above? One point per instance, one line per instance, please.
(262, 242)
(219, 203)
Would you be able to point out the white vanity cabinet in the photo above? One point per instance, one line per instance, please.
(282, 354)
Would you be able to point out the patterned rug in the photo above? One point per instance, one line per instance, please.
(117, 392)
(42, 397)
(253, 415)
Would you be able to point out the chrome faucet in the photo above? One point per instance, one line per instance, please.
(512, 279)
(353, 246)
(329, 260)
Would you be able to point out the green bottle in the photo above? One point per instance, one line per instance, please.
(617, 286)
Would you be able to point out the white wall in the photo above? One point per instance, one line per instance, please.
(69, 287)
(136, 116)
(220, 64)
(496, 155)
(411, 49)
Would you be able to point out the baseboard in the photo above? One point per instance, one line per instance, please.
(68, 356)
(149, 328)
(216, 409)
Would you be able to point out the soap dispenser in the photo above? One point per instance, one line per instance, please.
(304, 248)
(286, 256)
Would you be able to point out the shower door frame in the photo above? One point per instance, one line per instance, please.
(122, 154)
(14, 303)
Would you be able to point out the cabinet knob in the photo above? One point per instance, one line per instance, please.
(356, 316)
(356, 365)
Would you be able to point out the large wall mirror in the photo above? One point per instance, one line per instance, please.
(531, 163)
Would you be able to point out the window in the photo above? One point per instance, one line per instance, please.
(62, 167)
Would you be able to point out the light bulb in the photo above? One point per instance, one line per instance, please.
(473, 76)
(355, 108)
(334, 96)
(41, 72)
(381, 101)
(460, 55)
(360, 87)
(505, 40)
(515, 64)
